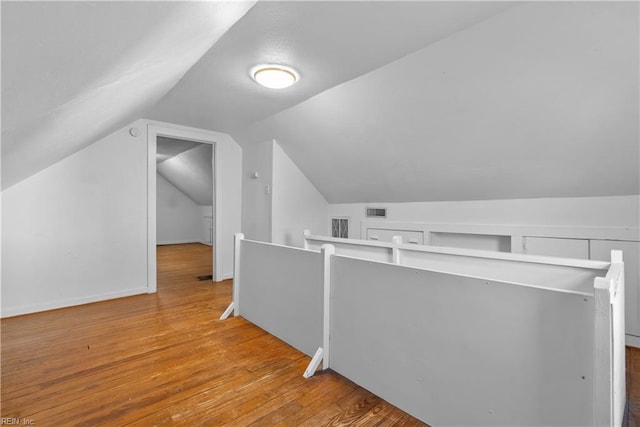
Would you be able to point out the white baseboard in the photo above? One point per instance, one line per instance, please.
(632, 341)
(177, 242)
(227, 276)
(70, 302)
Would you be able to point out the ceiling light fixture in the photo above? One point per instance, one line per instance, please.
(275, 76)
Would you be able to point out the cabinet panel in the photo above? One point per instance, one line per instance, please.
(601, 250)
(486, 242)
(207, 230)
(385, 235)
(550, 246)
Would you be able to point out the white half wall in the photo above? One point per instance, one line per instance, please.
(179, 219)
(76, 232)
(296, 204)
(614, 211)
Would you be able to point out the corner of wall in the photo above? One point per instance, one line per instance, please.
(297, 203)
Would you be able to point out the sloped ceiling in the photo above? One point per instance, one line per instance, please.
(73, 72)
(539, 101)
(329, 42)
(167, 148)
(190, 171)
(398, 101)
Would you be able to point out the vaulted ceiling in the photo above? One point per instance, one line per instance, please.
(398, 101)
(188, 166)
(74, 72)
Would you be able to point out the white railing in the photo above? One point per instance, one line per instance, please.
(519, 339)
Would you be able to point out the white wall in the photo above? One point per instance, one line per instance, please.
(76, 232)
(179, 219)
(256, 192)
(228, 201)
(296, 204)
(615, 211)
(538, 101)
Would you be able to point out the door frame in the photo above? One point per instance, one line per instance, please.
(178, 132)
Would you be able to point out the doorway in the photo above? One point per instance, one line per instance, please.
(182, 198)
(184, 194)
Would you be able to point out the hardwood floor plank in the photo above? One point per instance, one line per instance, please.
(166, 359)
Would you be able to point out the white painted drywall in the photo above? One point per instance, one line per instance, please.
(614, 211)
(179, 219)
(256, 192)
(296, 204)
(191, 172)
(76, 231)
(81, 70)
(538, 101)
(228, 202)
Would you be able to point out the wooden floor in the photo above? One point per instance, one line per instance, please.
(165, 359)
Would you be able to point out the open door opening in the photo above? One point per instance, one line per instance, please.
(182, 203)
(184, 196)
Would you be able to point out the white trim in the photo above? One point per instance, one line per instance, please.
(181, 242)
(293, 248)
(632, 341)
(154, 129)
(327, 251)
(357, 242)
(313, 365)
(237, 241)
(515, 231)
(225, 315)
(538, 259)
(152, 279)
(225, 276)
(396, 254)
(27, 309)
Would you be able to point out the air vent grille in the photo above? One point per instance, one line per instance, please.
(376, 212)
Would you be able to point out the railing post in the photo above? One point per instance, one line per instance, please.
(396, 240)
(322, 354)
(603, 363)
(235, 302)
(327, 251)
(619, 356)
(236, 273)
(609, 358)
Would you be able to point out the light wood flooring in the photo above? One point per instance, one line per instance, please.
(166, 359)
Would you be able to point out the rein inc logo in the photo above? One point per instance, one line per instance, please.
(8, 421)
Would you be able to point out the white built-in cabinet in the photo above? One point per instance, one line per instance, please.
(551, 246)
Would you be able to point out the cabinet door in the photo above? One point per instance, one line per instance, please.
(601, 250)
(386, 235)
(551, 246)
(207, 228)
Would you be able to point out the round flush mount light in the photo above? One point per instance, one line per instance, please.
(274, 76)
